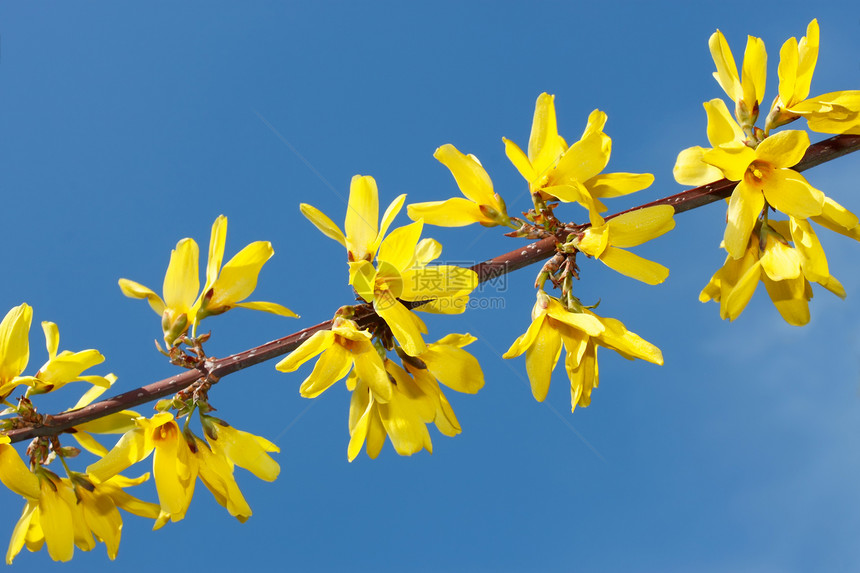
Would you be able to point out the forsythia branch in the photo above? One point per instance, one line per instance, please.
(213, 369)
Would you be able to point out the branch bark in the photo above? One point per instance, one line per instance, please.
(526, 255)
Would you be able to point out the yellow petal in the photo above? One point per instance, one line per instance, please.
(20, 531)
(102, 518)
(132, 447)
(14, 343)
(519, 159)
(471, 177)
(541, 358)
(270, 307)
(779, 261)
(362, 277)
(584, 159)
(172, 495)
(788, 191)
(636, 227)
(754, 72)
(722, 127)
(543, 141)
(634, 266)
(732, 160)
(388, 218)
(370, 369)
(455, 212)
(362, 217)
(454, 367)
(321, 221)
(217, 240)
(428, 250)
(745, 205)
(56, 522)
(737, 299)
(244, 450)
(789, 298)
(132, 289)
(787, 73)
(606, 185)
(690, 169)
(117, 423)
(182, 281)
(238, 278)
(398, 248)
(90, 444)
(629, 344)
(727, 71)
(331, 366)
(318, 342)
(402, 323)
(15, 475)
(582, 321)
(582, 374)
(783, 149)
(526, 339)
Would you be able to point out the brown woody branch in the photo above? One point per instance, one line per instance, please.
(215, 369)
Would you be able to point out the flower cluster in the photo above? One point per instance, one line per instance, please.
(184, 305)
(580, 331)
(761, 163)
(393, 274)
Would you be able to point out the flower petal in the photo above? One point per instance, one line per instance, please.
(182, 281)
(217, 240)
(788, 191)
(634, 266)
(318, 342)
(690, 168)
(455, 212)
(745, 205)
(541, 358)
(362, 216)
(270, 307)
(398, 248)
(471, 177)
(783, 149)
(238, 278)
(14, 341)
(132, 289)
(636, 227)
(321, 221)
(331, 366)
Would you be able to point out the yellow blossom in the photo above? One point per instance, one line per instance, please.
(607, 241)
(402, 273)
(174, 466)
(224, 289)
(835, 112)
(362, 233)
(343, 347)
(64, 513)
(571, 174)
(580, 333)
(403, 418)
(784, 270)
(764, 174)
(481, 205)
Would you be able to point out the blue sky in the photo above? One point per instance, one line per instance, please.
(124, 130)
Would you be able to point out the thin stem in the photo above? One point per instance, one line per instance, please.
(817, 154)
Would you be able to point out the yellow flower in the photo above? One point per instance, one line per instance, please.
(403, 418)
(747, 91)
(580, 332)
(241, 448)
(173, 466)
(481, 205)
(14, 347)
(571, 174)
(835, 112)
(362, 234)
(66, 513)
(764, 175)
(181, 306)
(67, 366)
(785, 272)
(402, 274)
(606, 242)
(343, 347)
(216, 473)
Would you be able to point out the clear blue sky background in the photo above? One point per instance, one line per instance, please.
(125, 128)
